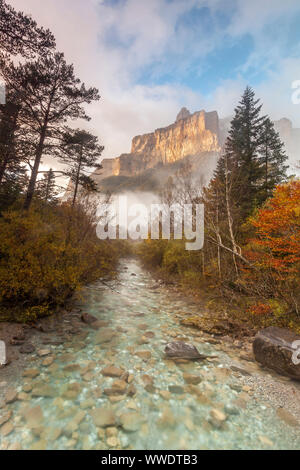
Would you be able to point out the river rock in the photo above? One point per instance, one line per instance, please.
(6, 429)
(147, 379)
(145, 355)
(192, 379)
(131, 391)
(149, 334)
(167, 418)
(43, 352)
(131, 421)
(34, 416)
(165, 394)
(5, 417)
(178, 349)
(177, 389)
(112, 442)
(217, 418)
(273, 348)
(27, 387)
(31, 373)
(231, 410)
(112, 371)
(11, 395)
(111, 432)
(73, 425)
(72, 368)
(104, 336)
(287, 417)
(27, 348)
(48, 361)
(88, 319)
(23, 396)
(118, 388)
(44, 391)
(103, 417)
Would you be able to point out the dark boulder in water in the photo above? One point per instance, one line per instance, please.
(179, 349)
(88, 319)
(278, 349)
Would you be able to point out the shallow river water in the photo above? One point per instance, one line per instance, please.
(66, 402)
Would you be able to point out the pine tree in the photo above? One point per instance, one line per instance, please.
(50, 95)
(19, 34)
(47, 188)
(10, 158)
(272, 159)
(80, 151)
(242, 147)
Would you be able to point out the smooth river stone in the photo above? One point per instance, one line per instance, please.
(34, 416)
(192, 379)
(6, 429)
(43, 352)
(118, 388)
(44, 391)
(145, 355)
(5, 417)
(31, 373)
(131, 421)
(11, 395)
(112, 371)
(104, 336)
(103, 417)
(217, 418)
(178, 349)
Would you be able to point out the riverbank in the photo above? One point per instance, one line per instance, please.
(111, 387)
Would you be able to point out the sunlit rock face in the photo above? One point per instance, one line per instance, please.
(191, 134)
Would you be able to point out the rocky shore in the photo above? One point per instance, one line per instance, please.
(98, 375)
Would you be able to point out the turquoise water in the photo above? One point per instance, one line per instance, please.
(70, 404)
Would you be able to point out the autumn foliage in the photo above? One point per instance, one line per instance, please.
(278, 232)
(46, 256)
(274, 251)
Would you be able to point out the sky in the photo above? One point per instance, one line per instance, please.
(149, 58)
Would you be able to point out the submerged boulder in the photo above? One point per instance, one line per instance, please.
(278, 349)
(88, 319)
(179, 349)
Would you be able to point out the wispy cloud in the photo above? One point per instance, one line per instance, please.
(142, 54)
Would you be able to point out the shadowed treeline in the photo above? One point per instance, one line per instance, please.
(48, 249)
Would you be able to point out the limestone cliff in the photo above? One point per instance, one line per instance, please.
(191, 135)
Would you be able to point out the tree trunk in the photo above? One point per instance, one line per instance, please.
(3, 168)
(35, 170)
(77, 178)
(235, 248)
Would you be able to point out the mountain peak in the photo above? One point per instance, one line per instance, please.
(183, 114)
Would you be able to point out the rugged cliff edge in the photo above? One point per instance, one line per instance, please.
(198, 137)
(191, 135)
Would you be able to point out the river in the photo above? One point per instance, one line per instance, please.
(66, 402)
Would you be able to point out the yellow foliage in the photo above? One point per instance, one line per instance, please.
(46, 255)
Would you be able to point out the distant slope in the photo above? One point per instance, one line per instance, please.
(154, 179)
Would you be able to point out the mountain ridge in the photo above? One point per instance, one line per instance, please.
(197, 136)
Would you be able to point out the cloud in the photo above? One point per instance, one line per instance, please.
(127, 47)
